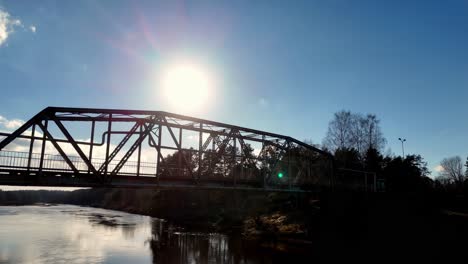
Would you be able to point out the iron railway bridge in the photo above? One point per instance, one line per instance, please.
(81, 147)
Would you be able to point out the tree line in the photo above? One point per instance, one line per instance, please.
(358, 143)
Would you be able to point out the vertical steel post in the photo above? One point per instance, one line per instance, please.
(263, 163)
(139, 152)
(242, 159)
(91, 144)
(109, 129)
(234, 160)
(212, 154)
(200, 149)
(31, 146)
(41, 162)
(179, 158)
(158, 161)
(289, 166)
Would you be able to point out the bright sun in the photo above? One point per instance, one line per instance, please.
(186, 86)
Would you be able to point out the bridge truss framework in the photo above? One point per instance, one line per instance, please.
(153, 148)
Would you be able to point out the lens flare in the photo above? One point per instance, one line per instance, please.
(186, 86)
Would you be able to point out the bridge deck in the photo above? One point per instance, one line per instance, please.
(22, 178)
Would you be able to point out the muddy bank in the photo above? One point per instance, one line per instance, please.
(225, 211)
(256, 215)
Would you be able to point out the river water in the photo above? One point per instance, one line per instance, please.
(72, 234)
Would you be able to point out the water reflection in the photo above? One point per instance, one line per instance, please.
(184, 247)
(71, 234)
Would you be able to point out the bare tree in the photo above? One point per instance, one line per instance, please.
(453, 169)
(359, 126)
(339, 134)
(373, 137)
(354, 131)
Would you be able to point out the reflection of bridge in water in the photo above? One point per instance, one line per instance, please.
(131, 148)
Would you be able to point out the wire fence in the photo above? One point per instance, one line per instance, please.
(356, 180)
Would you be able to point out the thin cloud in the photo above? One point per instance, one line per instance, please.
(439, 168)
(10, 124)
(7, 25)
(32, 28)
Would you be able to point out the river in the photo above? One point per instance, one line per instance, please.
(72, 234)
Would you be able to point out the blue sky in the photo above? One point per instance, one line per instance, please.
(280, 66)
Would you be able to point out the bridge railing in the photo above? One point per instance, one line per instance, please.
(13, 160)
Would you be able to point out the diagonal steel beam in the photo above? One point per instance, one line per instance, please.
(158, 149)
(31, 146)
(221, 147)
(207, 142)
(36, 119)
(171, 132)
(120, 146)
(179, 146)
(59, 149)
(76, 147)
(43, 145)
(132, 149)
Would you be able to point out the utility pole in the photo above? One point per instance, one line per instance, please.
(402, 145)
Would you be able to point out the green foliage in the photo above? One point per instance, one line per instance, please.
(348, 158)
(373, 161)
(409, 174)
(179, 163)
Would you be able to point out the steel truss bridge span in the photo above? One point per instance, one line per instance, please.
(84, 147)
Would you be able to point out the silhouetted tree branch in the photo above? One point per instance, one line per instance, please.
(354, 131)
(453, 170)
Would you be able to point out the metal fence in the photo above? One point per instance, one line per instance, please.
(55, 163)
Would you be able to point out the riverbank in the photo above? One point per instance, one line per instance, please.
(259, 216)
(266, 217)
(361, 226)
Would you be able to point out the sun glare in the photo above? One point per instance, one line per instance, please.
(186, 86)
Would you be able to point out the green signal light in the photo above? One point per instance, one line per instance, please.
(280, 175)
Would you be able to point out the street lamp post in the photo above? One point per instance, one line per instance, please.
(402, 146)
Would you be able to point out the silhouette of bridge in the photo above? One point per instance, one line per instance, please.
(83, 147)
